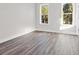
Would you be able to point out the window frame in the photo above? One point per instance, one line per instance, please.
(41, 14)
(62, 13)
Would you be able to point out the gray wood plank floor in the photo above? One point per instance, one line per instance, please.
(41, 43)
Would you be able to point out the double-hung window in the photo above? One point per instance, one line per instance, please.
(67, 13)
(44, 13)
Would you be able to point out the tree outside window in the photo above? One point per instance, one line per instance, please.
(67, 13)
(44, 14)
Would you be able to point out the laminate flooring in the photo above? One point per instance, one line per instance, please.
(41, 43)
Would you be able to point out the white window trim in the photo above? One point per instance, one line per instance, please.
(65, 26)
(41, 14)
(68, 13)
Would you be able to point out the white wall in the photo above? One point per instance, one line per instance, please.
(77, 17)
(15, 20)
(54, 20)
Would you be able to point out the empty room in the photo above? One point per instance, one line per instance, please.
(39, 29)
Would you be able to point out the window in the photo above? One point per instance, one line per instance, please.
(67, 13)
(67, 20)
(44, 13)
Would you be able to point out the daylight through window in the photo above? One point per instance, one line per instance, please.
(44, 13)
(67, 13)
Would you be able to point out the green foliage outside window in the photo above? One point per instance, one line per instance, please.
(44, 16)
(44, 10)
(67, 18)
(67, 13)
(68, 8)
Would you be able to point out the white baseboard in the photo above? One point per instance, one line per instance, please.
(57, 32)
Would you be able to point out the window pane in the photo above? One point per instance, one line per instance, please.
(44, 9)
(44, 18)
(68, 8)
(44, 13)
(67, 18)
